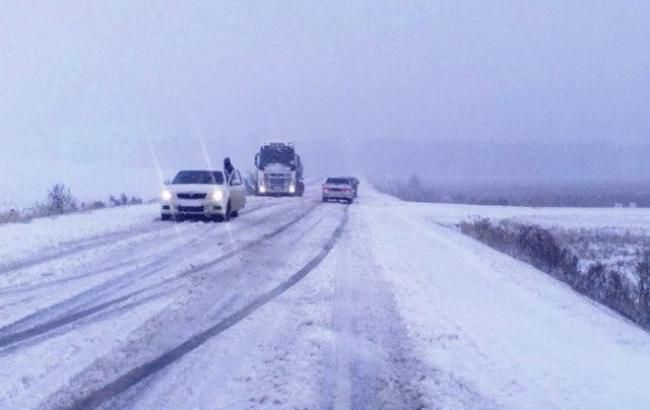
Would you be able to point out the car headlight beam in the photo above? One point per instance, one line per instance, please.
(166, 195)
(217, 196)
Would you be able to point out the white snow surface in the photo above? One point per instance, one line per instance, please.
(499, 328)
(19, 240)
(303, 305)
(589, 218)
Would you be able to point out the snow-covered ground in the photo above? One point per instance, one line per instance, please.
(617, 218)
(304, 305)
(20, 240)
(616, 238)
(500, 331)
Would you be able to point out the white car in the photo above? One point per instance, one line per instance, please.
(204, 194)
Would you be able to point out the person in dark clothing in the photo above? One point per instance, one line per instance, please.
(228, 168)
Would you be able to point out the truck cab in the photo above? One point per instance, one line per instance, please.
(279, 170)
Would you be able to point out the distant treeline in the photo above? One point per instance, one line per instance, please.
(574, 194)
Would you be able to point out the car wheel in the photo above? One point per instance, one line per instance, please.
(234, 214)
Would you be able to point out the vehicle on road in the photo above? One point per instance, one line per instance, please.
(203, 194)
(355, 185)
(279, 170)
(339, 189)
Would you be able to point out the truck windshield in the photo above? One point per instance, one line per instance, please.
(277, 155)
(199, 177)
(338, 181)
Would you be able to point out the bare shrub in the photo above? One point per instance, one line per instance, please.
(120, 200)
(643, 270)
(531, 243)
(609, 288)
(541, 248)
(59, 201)
(123, 200)
(96, 205)
(13, 216)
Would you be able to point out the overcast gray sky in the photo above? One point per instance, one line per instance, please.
(85, 86)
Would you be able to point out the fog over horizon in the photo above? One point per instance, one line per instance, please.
(113, 97)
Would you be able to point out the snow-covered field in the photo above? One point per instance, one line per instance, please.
(304, 305)
(575, 218)
(617, 238)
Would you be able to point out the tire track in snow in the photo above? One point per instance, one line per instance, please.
(209, 228)
(369, 364)
(82, 246)
(95, 242)
(8, 337)
(101, 396)
(229, 364)
(90, 296)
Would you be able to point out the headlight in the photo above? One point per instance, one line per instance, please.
(292, 188)
(217, 196)
(262, 189)
(166, 195)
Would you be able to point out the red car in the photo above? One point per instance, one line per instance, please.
(339, 189)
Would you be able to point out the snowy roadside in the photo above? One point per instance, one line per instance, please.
(619, 219)
(603, 253)
(493, 332)
(22, 240)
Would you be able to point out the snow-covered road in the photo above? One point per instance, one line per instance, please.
(298, 305)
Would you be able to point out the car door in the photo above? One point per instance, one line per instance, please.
(237, 193)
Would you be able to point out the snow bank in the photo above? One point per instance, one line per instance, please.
(494, 332)
(23, 240)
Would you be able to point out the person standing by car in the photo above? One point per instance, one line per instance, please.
(228, 168)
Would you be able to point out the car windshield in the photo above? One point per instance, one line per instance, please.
(199, 177)
(338, 181)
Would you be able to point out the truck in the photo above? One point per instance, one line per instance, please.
(279, 170)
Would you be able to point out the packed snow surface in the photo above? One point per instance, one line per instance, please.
(299, 304)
